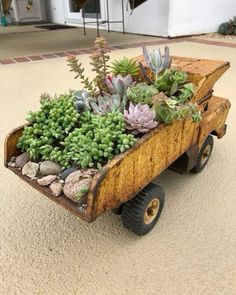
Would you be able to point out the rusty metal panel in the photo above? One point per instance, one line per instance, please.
(214, 119)
(201, 72)
(128, 173)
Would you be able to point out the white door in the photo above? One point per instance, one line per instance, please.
(72, 14)
(56, 11)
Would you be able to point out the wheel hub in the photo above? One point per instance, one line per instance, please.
(151, 211)
(205, 155)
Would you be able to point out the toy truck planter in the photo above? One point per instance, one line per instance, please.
(125, 183)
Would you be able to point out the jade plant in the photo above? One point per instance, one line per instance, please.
(125, 66)
(139, 118)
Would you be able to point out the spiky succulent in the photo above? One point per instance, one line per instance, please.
(108, 103)
(155, 61)
(124, 67)
(141, 93)
(119, 84)
(139, 118)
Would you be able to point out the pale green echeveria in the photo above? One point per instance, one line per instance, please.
(108, 103)
(142, 93)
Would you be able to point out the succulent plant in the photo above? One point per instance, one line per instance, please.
(178, 76)
(98, 140)
(168, 110)
(141, 93)
(59, 133)
(125, 66)
(82, 100)
(76, 66)
(155, 61)
(119, 84)
(48, 127)
(185, 93)
(108, 103)
(174, 83)
(99, 60)
(139, 118)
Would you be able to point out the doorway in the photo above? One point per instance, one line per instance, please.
(91, 8)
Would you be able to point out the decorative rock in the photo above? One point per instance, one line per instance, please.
(12, 164)
(49, 168)
(46, 180)
(22, 160)
(76, 182)
(30, 170)
(56, 188)
(89, 172)
(67, 172)
(13, 159)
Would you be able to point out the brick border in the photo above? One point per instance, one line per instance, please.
(54, 55)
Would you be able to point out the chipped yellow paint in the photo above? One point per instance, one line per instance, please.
(128, 173)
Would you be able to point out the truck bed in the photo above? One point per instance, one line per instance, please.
(124, 176)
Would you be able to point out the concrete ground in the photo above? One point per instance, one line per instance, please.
(17, 41)
(46, 250)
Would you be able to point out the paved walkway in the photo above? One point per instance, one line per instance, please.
(46, 250)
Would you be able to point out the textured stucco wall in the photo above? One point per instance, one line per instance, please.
(45, 250)
(187, 17)
(151, 18)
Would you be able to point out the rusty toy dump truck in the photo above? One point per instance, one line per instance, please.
(124, 184)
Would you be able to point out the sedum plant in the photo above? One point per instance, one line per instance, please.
(139, 118)
(49, 126)
(142, 93)
(98, 140)
(185, 93)
(99, 61)
(86, 140)
(125, 66)
(76, 66)
(167, 110)
(174, 83)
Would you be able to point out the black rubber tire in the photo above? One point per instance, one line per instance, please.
(133, 211)
(199, 166)
(117, 211)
